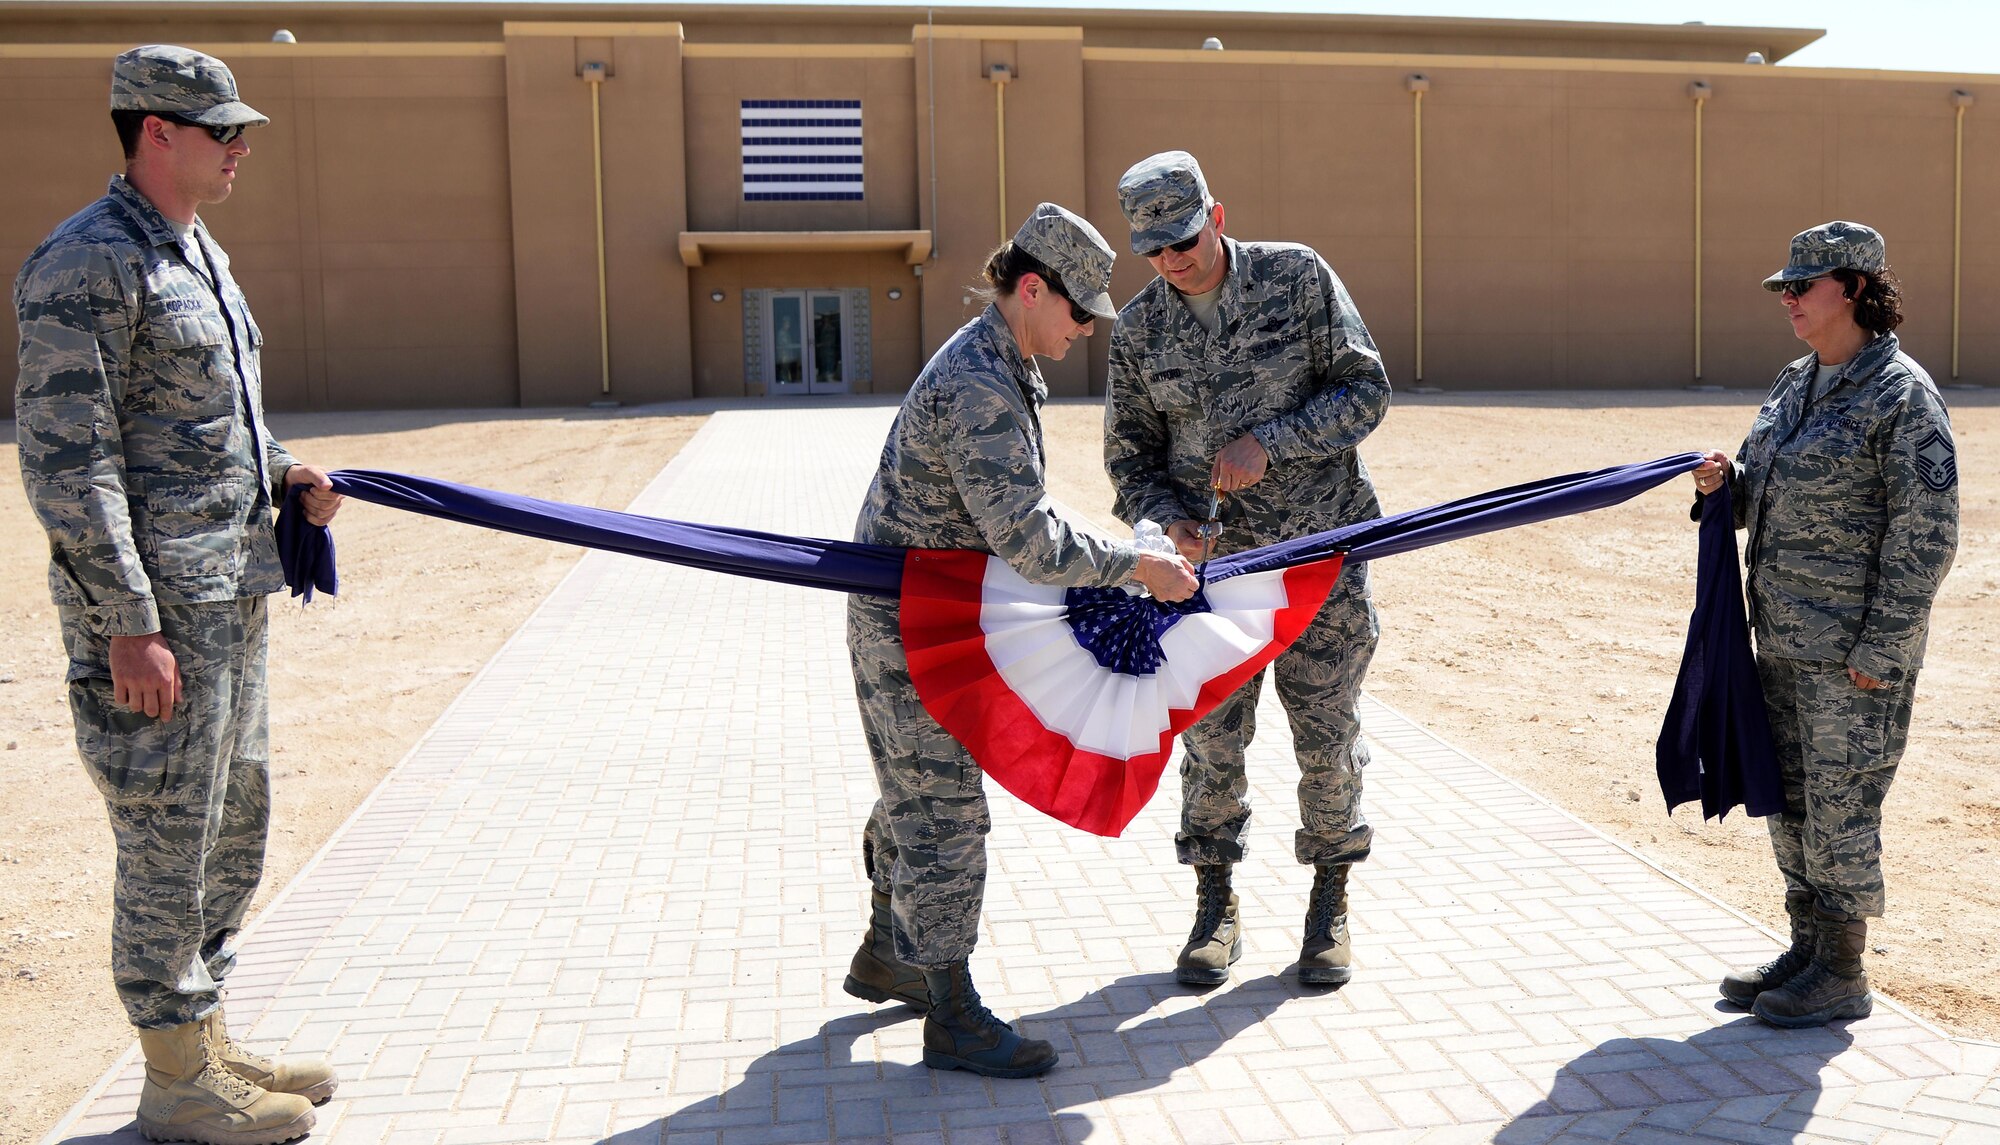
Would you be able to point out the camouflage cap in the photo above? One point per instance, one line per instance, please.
(179, 81)
(1164, 198)
(1074, 252)
(1829, 247)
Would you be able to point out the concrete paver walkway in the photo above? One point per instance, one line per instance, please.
(612, 894)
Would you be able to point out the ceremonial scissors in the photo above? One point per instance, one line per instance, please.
(1209, 530)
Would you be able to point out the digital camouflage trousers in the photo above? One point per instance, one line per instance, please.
(1319, 682)
(1838, 747)
(188, 799)
(925, 842)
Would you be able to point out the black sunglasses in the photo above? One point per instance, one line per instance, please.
(1798, 286)
(1077, 314)
(223, 135)
(1181, 247)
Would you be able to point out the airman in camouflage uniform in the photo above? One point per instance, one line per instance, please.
(1847, 488)
(145, 456)
(1267, 406)
(963, 468)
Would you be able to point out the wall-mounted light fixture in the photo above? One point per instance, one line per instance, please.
(1212, 44)
(895, 295)
(715, 296)
(284, 36)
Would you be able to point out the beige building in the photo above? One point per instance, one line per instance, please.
(486, 204)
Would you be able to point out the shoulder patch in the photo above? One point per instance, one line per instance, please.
(1937, 462)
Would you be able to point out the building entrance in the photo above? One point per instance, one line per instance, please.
(808, 336)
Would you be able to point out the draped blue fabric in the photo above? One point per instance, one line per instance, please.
(1716, 746)
(1716, 743)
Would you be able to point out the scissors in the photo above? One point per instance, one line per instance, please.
(1209, 530)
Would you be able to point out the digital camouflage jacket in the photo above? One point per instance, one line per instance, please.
(1292, 363)
(964, 467)
(139, 412)
(1850, 504)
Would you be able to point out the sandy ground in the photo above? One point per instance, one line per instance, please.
(354, 684)
(1549, 652)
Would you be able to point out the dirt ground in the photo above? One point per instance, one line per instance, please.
(1548, 651)
(354, 684)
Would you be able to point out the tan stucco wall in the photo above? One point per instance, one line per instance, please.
(369, 225)
(1045, 158)
(417, 226)
(1558, 205)
(552, 165)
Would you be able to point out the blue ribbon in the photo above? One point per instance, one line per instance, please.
(1716, 745)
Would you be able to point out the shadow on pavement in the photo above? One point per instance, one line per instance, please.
(815, 1089)
(1673, 1085)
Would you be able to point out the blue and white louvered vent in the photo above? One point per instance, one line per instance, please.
(802, 149)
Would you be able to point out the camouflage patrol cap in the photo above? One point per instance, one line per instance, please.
(1829, 247)
(1165, 199)
(1074, 252)
(179, 81)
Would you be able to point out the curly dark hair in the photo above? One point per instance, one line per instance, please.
(1878, 307)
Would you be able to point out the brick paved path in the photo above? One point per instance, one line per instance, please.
(612, 894)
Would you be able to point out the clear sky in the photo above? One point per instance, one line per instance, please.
(1904, 35)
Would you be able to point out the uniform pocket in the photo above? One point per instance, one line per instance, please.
(193, 526)
(186, 358)
(942, 769)
(130, 756)
(1175, 389)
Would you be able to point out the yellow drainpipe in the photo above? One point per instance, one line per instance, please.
(1960, 100)
(1699, 92)
(1000, 74)
(1418, 85)
(593, 74)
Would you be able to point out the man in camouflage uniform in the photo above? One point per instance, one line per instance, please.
(1244, 371)
(145, 455)
(963, 468)
(1847, 487)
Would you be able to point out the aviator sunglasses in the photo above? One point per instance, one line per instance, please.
(224, 135)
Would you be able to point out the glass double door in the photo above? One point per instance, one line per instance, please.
(808, 340)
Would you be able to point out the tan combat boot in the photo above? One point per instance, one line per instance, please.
(1326, 956)
(310, 1078)
(1217, 938)
(190, 1095)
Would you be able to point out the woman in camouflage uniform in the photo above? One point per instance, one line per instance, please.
(963, 469)
(1847, 488)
